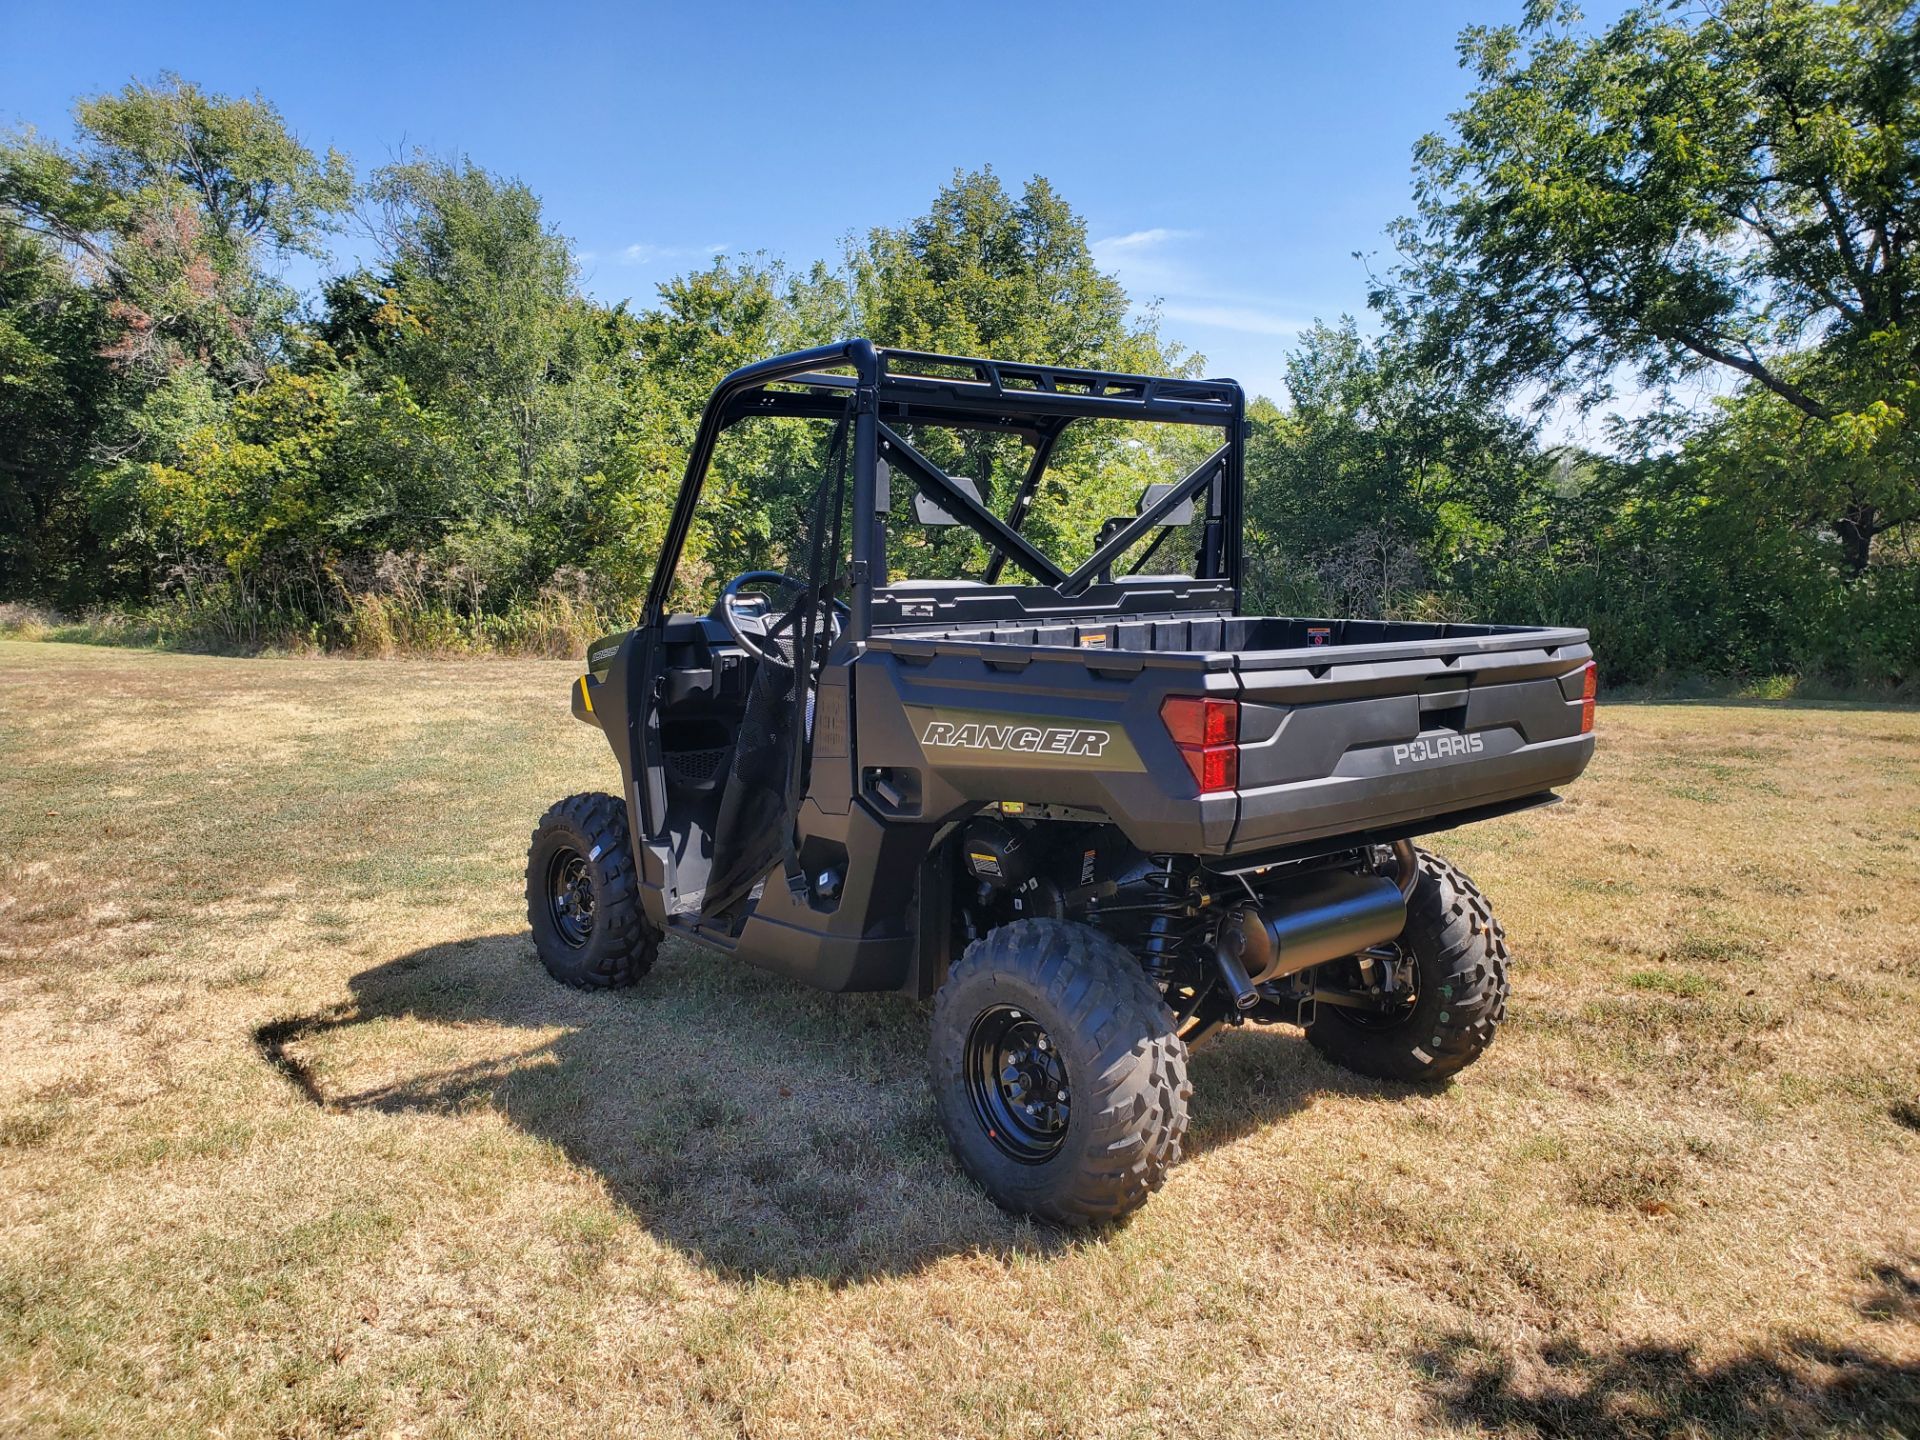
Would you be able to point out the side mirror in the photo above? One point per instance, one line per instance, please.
(928, 511)
(1181, 514)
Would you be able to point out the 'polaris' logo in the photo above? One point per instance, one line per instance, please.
(1440, 747)
(1033, 739)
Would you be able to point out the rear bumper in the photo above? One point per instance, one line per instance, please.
(1383, 793)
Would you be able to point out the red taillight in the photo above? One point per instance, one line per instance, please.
(1208, 734)
(1589, 688)
(1216, 769)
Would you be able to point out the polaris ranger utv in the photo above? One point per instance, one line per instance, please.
(1096, 817)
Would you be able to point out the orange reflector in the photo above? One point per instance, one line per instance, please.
(1589, 690)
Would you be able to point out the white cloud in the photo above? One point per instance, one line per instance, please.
(1243, 335)
(1142, 240)
(1245, 318)
(1140, 260)
(646, 254)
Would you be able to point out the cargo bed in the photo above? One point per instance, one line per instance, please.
(1347, 728)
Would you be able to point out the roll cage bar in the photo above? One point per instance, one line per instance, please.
(890, 388)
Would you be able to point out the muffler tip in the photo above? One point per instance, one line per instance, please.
(1227, 956)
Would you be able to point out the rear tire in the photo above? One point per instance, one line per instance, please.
(1059, 1079)
(1460, 995)
(583, 900)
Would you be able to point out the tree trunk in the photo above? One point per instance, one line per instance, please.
(1856, 531)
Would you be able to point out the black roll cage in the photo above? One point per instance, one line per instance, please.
(889, 388)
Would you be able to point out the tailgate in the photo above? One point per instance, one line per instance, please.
(1347, 739)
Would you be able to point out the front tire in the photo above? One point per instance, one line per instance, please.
(1059, 1079)
(1460, 988)
(583, 901)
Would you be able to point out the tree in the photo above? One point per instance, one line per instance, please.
(52, 387)
(255, 496)
(169, 201)
(765, 474)
(478, 320)
(247, 173)
(1737, 186)
(134, 304)
(984, 272)
(1381, 481)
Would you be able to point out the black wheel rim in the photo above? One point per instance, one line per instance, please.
(1018, 1084)
(570, 896)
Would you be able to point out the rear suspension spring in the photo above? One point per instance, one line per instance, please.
(1154, 910)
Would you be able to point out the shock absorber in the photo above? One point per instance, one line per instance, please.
(1154, 909)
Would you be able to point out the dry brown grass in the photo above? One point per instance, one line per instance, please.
(297, 1138)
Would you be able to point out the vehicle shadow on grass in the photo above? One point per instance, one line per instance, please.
(1797, 1386)
(762, 1126)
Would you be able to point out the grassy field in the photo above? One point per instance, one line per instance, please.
(297, 1138)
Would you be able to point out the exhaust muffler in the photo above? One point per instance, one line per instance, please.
(1337, 914)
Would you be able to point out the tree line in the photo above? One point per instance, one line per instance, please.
(454, 446)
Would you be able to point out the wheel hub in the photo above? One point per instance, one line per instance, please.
(1396, 1005)
(1018, 1084)
(570, 897)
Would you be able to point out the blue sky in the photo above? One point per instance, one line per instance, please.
(1228, 164)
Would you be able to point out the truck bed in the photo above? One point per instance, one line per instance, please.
(1349, 729)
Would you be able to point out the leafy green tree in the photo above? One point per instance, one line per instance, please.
(986, 272)
(149, 147)
(765, 474)
(1735, 186)
(52, 388)
(139, 303)
(1382, 485)
(478, 320)
(175, 200)
(255, 493)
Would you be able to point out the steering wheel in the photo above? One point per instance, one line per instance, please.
(773, 644)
